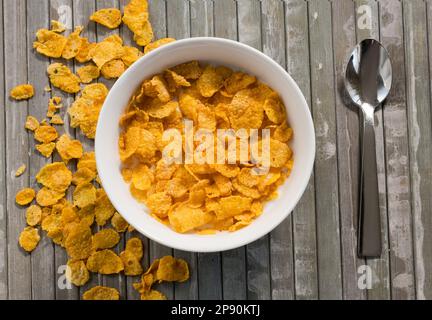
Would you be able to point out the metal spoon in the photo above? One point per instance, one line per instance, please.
(368, 81)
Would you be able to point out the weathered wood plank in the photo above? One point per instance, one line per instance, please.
(82, 9)
(117, 281)
(3, 185)
(257, 253)
(201, 18)
(420, 153)
(326, 167)
(234, 269)
(178, 27)
(304, 229)
(43, 257)
(131, 293)
(15, 48)
(348, 145)
(396, 143)
(62, 10)
(157, 10)
(424, 263)
(281, 238)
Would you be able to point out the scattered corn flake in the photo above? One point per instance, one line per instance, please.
(78, 243)
(108, 17)
(153, 295)
(88, 73)
(84, 195)
(68, 148)
(56, 120)
(31, 123)
(22, 92)
(25, 196)
(113, 69)
(20, 170)
(46, 149)
(83, 175)
(101, 293)
(105, 262)
(29, 239)
(130, 55)
(171, 269)
(158, 43)
(47, 197)
(83, 54)
(87, 215)
(104, 210)
(45, 134)
(119, 223)
(106, 51)
(49, 43)
(47, 88)
(77, 273)
(57, 26)
(62, 77)
(54, 105)
(73, 44)
(136, 18)
(105, 239)
(135, 246)
(33, 215)
(55, 176)
(132, 265)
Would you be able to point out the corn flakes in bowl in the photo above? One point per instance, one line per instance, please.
(205, 144)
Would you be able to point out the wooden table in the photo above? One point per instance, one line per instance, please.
(312, 254)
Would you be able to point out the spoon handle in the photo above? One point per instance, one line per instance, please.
(369, 225)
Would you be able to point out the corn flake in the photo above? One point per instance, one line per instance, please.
(119, 223)
(49, 43)
(105, 239)
(136, 19)
(88, 73)
(135, 246)
(132, 265)
(84, 195)
(55, 176)
(22, 92)
(109, 17)
(101, 293)
(31, 123)
(20, 170)
(158, 43)
(62, 77)
(78, 243)
(33, 215)
(73, 44)
(25, 196)
(77, 273)
(46, 149)
(105, 262)
(29, 239)
(113, 69)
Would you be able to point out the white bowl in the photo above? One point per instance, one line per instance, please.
(223, 52)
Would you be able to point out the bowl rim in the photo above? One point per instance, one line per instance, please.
(221, 245)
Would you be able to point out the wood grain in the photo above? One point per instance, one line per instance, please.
(3, 183)
(420, 153)
(17, 145)
(304, 225)
(43, 257)
(326, 166)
